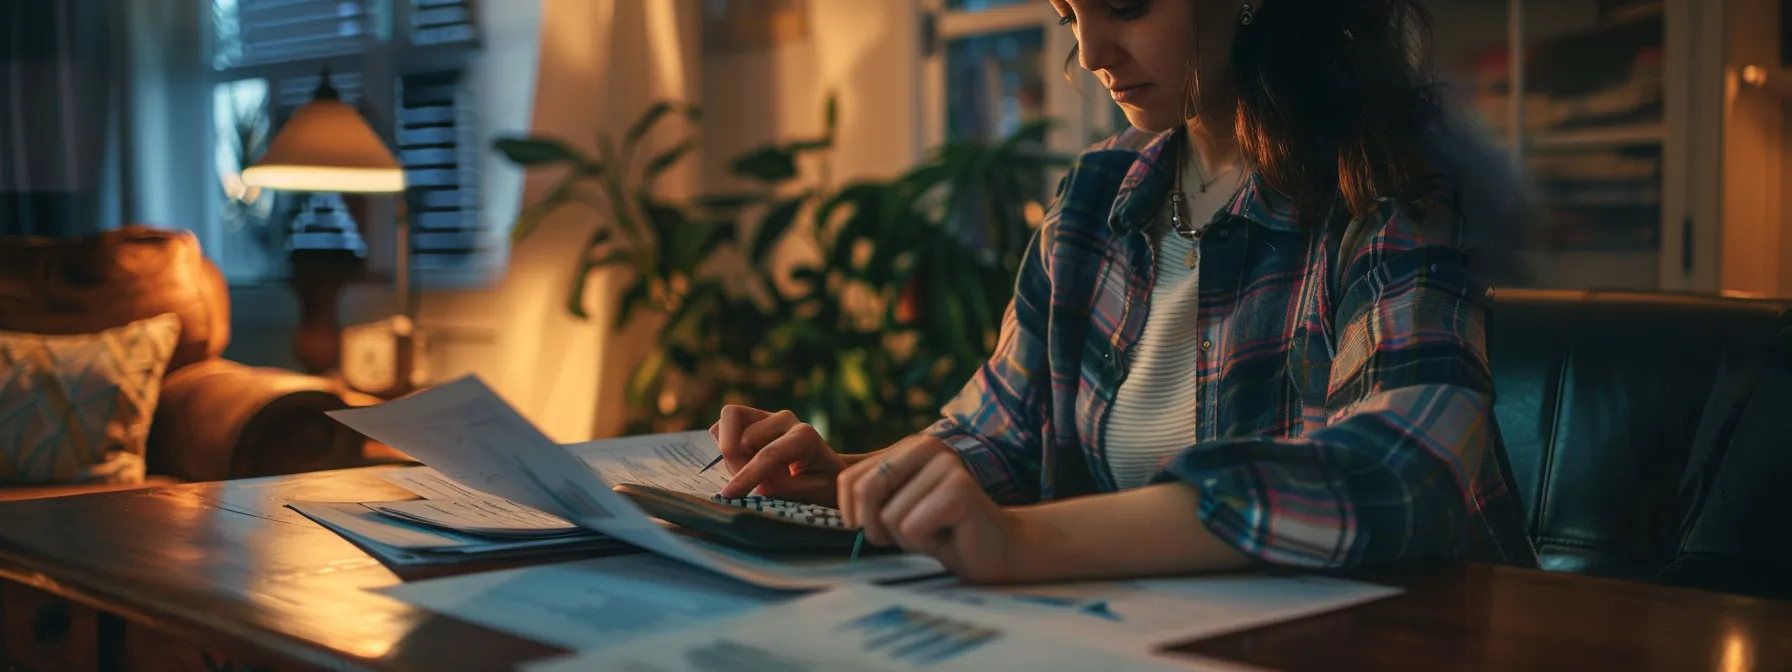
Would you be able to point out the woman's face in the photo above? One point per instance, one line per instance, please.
(1155, 56)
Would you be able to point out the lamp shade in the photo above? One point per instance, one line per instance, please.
(327, 146)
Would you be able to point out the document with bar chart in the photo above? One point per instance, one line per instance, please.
(862, 628)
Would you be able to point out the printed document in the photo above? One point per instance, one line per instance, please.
(668, 461)
(487, 516)
(861, 628)
(590, 604)
(397, 542)
(428, 483)
(1143, 614)
(468, 434)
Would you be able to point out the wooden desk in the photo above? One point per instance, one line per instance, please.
(168, 579)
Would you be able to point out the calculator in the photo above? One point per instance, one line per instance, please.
(755, 522)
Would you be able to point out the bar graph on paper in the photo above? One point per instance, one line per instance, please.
(917, 638)
(893, 637)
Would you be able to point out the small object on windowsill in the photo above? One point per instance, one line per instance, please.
(386, 358)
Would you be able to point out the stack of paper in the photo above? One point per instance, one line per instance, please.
(450, 524)
(469, 436)
(484, 517)
(397, 542)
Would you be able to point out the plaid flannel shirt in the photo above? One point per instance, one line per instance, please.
(1345, 399)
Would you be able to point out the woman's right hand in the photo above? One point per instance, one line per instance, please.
(776, 455)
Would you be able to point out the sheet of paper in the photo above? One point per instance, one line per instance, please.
(590, 604)
(859, 628)
(428, 483)
(401, 543)
(479, 516)
(470, 435)
(669, 461)
(1144, 614)
(830, 570)
(357, 521)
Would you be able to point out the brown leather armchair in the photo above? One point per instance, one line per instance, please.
(216, 419)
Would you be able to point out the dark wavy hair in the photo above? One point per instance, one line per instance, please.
(1334, 99)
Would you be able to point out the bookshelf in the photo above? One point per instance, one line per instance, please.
(1585, 105)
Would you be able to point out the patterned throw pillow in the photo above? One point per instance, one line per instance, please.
(76, 409)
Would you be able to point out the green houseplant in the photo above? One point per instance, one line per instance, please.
(898, 309)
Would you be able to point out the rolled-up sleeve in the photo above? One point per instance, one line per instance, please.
(1403, 462)
(995, 421)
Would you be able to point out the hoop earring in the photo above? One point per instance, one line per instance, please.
(1247, 16)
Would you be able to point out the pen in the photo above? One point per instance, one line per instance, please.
(712, 463)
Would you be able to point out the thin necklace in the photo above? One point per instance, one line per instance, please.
(1187, 227)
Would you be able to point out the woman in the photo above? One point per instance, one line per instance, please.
(1248, 330)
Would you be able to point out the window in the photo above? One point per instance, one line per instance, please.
(403, 63)
(991, 66)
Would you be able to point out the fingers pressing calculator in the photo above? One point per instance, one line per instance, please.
(755, 522)
(813, 514)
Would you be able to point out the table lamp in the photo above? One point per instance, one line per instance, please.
(327, 146)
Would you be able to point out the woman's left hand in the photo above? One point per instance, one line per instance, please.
(922, 498)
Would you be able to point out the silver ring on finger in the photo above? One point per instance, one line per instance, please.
(883, 469)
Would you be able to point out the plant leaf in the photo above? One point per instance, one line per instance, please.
(970, 285)
(830, 113)
(645, 376)
(686, 243)
(698, 304)
(532, 216)
(645, 123)
(667, 159)
(614, 258)
(773, 226)
(682, 358)
(575, 293)
(535, 151)
(728, 201)
(801, 146)
(635, 295)
(770, 163)
(853, 378)
(606, 152)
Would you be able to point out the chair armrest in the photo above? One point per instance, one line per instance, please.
(218, 419)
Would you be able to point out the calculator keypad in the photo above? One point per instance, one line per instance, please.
(813, 514)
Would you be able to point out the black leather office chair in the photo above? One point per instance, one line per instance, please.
(1620, 413)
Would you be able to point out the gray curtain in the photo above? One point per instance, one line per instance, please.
(103, 117)
(56, 90)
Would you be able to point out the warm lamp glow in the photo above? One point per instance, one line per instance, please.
(320, 178)
(327, 146)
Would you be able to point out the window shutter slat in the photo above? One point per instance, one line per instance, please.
(441, 21)
(437, 147)
(257, 32)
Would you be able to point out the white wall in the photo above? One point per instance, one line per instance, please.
(865, 50)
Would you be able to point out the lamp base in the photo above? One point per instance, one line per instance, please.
(318, 278)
